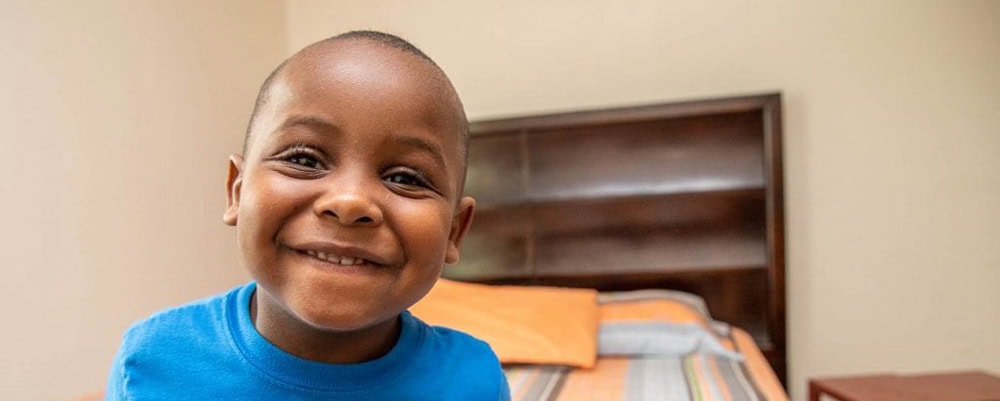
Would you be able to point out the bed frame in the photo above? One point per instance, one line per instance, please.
(684, 196)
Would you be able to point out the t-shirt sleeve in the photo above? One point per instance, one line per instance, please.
(115, 390)
(504, 388)
(493, 364)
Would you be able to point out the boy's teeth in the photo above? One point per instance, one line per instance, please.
(329, 257)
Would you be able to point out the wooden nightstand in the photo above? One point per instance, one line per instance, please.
(956, 386)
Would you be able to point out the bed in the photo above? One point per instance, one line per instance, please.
(627, 254)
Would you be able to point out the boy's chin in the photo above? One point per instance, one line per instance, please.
(347, 323)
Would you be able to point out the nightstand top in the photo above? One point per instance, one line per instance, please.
(951, 386)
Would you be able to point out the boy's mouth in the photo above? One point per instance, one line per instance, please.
(328, 252)
(340, 260)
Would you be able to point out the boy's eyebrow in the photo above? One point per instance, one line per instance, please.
(311, 121)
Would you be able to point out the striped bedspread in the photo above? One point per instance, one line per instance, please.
(655, 351)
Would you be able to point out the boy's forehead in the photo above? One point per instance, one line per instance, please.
(357, 68)
(360, 60)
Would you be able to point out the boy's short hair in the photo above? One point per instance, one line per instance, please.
(382, 38)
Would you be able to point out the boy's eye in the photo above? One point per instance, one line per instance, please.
(413, 179)
(304, 160)
(301, 157)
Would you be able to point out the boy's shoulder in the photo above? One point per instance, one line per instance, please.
(200, 318)
(179, 349)
(463, 358)
(445, 339)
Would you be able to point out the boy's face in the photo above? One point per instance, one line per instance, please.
(347, 202)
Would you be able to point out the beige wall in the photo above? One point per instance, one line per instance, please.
(117, 118)
(892, 117)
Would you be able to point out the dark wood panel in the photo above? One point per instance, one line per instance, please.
(775, 209)
(696, 154)
(496, 171)
(655, 232)
(497, 245)
(716, 209)
(636, 251)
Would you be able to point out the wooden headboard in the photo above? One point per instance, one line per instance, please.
(685, 196)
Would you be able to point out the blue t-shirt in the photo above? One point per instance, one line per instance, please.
(210, 350)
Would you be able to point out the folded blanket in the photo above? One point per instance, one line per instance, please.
(540, 325)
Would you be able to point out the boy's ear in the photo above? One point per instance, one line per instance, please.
(234, 182)
(459, 226)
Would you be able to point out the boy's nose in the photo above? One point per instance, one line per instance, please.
(348, 208)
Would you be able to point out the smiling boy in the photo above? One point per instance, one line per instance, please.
(347, 202)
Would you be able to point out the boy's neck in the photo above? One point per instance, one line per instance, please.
(306, 342)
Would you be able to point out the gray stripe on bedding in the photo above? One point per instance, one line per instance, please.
(743, 373)
(656, 379)
(519, 375)
(547, 384)
(704, 364)
(659, 339)
(722, 329)
(732, 374)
